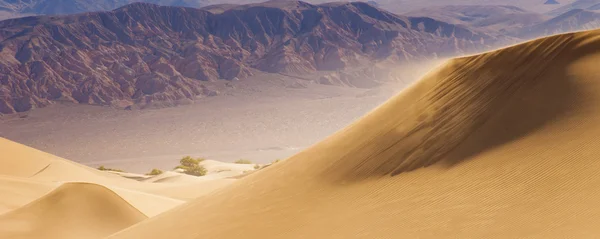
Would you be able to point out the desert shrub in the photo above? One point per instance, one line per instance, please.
(188, 161)
(102, 168)
(196, 171)
(243, 161)
(192, 166)
(155, 172)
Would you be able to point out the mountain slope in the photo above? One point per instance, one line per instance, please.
(501, 144)
(405, 6)
(59, 7)
(574, 20)
(577, 4)
(144, 53)
(52, 7)
(489, 18)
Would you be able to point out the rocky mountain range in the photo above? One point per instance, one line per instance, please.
(492, 19)
(16, 8)
(574, 20)
(56, 7)
(577, 4)
(144, 53)
(510, 21)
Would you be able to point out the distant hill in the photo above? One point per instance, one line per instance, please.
(574, 20)
(577, 4)
(56, 7)
(488, 18)
(405, 6)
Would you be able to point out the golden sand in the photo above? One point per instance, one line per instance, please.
(74, 210)
(45, 196)
(499, 145)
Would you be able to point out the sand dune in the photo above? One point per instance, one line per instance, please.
(172, 177)
(150, 204)
(44, 196)
(27, 174)
(186, 187)
(192, 190)
(21, 161)
(498, 145)
(16, 192)
(215, 169)
(18, 160)
(74, 210)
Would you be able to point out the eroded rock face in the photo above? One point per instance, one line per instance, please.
(144, 53)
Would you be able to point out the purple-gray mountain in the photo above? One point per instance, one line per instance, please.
(143, 53)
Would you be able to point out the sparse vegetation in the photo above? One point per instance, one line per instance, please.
(192, 166)
(256, 166)
(102, 168)
(276, 161)
(155, 172)
(243, 161)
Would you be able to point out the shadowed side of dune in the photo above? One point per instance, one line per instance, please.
(424, 124)
(73, 210)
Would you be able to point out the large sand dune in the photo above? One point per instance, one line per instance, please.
(498, 145)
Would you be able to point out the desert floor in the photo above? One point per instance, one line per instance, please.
(259, 123)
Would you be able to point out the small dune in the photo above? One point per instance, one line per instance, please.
(74, 210)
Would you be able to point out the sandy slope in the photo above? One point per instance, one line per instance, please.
(191, 190)
(510, 137)
(21, 161)
(74, 210)
(17, 192)
(38, 172)
(44, 196)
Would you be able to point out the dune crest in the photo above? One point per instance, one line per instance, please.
(498, 145)
(73, 210)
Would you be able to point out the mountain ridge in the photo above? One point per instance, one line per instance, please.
(144, 53)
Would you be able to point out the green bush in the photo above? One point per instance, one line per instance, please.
(243, 161)
(102, 168)
(188, 161)
(196, 171)
(192, 166)
(256, 166)
(155, 172)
